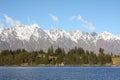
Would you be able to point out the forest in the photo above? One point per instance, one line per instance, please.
(54, 57)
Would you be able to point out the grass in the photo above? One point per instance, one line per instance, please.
(116, 61)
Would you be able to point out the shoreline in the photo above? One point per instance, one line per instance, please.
(43, 65)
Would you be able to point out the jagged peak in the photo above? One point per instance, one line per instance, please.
(106, 33)
(25, 31)
(93, 34)
(54, 34)
(56, 31)
(35, 26)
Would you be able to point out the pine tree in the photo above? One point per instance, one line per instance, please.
(101, 57)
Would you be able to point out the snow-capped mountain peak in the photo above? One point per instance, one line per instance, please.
(55, 34)
(31, 37)
(94, 34)
(108, 36)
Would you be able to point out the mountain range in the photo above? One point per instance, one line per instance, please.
(33, 38)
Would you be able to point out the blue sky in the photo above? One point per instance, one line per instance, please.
(85, 15)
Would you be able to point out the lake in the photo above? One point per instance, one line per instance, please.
(60, 73)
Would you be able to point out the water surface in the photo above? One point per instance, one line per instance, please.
(59, 73)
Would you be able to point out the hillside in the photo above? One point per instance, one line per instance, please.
(33, 38)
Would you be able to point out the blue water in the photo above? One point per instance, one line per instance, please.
(59, 73)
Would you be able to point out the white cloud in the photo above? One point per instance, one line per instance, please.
(1, 24)
(80, 18)
(54, 18)
(11, 22)
(73, 17)
(85, 23)
(89, 26)
(77, 18)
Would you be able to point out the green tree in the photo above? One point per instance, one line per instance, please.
(101, 56)
(50, 50)
(108, 58)
(92, 58)
(46, 59)
(60, 55)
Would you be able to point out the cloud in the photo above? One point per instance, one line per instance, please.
(54, 18)
(85, 23)
(73, 17)
(89, 26)
(80, 18)
(77, 18)
(10, 21)
(1, 24)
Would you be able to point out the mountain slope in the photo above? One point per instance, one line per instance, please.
(33, 38)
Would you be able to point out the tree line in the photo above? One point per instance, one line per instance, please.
(58, 56)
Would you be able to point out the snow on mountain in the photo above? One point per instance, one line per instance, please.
(94, 34)
(21, 32)
(55, 34)
(108, 36)
(76, 35)
(1, 29)
(33, 38)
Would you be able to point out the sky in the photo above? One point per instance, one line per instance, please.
(85, 15)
